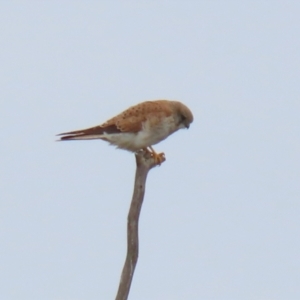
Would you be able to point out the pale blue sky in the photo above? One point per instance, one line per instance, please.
(220, 219)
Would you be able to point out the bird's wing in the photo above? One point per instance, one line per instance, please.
(132, 119)
(129, 121)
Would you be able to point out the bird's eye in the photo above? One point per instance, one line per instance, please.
(182, 118)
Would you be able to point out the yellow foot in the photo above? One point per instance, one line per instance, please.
(158, 157)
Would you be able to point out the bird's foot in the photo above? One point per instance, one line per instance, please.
(159, 158)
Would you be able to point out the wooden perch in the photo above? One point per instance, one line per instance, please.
(144, 163)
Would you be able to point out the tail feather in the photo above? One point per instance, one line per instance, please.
(96, 132)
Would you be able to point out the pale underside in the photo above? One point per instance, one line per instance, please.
(136, 128)
(150, 134)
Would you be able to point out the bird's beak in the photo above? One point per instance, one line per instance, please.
(187, 126)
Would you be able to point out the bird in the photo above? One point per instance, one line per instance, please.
(139, 127)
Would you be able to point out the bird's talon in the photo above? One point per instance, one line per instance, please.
(159, 158)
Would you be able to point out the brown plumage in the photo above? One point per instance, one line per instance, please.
(138, 127)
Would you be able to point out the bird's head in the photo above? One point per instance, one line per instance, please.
(184, 115)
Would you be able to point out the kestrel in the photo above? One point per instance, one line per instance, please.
(139, 127)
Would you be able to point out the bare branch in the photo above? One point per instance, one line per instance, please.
(144, 162)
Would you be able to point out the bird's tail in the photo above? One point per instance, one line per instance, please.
(97, 132)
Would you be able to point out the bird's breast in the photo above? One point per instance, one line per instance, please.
(152, 133)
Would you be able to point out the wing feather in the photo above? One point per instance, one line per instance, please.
(130, 120)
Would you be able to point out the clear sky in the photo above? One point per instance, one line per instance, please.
(220, 219)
